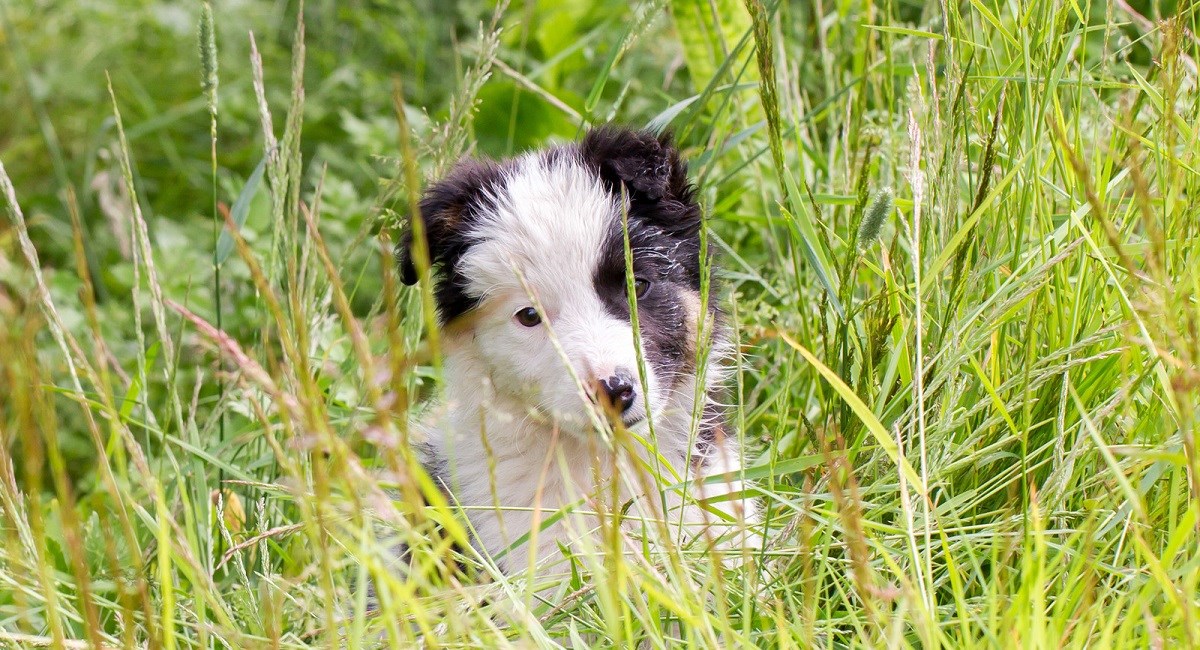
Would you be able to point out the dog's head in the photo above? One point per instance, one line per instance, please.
(530, 264)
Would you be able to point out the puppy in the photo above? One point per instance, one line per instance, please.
(547, 413)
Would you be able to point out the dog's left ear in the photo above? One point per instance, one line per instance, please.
(647, 164)
(651, 170)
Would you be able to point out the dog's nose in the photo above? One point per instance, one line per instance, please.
(619, 389)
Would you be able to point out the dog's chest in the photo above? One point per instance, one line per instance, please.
(551, 491)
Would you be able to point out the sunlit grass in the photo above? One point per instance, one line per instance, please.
(959, 251)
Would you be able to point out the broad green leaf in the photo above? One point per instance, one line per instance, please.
(241, 209)
(708, 31)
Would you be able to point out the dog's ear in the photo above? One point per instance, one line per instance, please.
(645, 163)
(652, 171)
(447, 210)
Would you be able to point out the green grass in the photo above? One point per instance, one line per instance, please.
(969, 403)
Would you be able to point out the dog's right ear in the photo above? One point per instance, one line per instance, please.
(447, 210)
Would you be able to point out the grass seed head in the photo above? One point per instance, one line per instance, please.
(208, 56)
(879, 209)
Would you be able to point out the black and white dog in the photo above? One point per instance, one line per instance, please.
(540, 356)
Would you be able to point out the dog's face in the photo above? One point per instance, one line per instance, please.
(530, 259)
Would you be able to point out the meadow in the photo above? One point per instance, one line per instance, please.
(959, 245)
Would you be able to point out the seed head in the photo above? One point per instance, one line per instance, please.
(879, 209)
(208, 56)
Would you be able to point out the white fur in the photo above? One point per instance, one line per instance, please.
(515, 428)
(548, 229)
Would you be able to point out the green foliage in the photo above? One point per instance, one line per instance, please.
(958, 245)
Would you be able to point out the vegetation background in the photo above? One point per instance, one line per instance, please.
(959, 247)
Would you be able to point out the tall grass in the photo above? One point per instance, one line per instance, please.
(960, 247)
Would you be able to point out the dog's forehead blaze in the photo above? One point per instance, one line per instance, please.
(547, 227)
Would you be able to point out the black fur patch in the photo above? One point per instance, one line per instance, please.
(664, 238)
(449, 209)
(648, 165)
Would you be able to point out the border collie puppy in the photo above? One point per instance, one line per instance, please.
(541, 361)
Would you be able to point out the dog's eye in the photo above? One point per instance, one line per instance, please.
(528, 317)
(640, 287)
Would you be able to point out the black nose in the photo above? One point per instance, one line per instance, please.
(619, 389)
